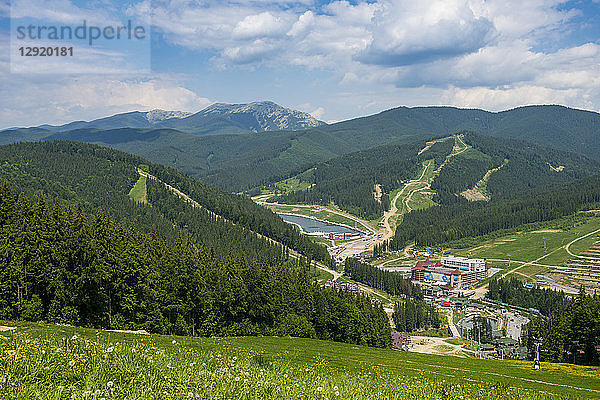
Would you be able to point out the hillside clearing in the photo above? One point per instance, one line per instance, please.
(138, 192)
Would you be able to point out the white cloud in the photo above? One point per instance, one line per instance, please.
(66, 12)
(67, 99)
(259, 25)
(318, 113)
(498, 99)
(407, 32)
(382, 53)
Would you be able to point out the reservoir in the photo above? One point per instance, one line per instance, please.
(313, 226)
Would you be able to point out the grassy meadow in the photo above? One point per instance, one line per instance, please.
(61, 362)
(138, 191)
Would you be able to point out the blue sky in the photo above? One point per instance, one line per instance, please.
(334, 59)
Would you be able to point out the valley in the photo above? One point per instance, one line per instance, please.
(184, 257)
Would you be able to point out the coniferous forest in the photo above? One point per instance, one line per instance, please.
(411, 315)
(349, 181)
(99, 179)
(511, 291)
(453, 222)
(568, 328)
(62, 265)
(571, 334)
(390, 282)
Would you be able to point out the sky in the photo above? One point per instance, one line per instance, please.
(334, 59)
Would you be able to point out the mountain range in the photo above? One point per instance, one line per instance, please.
(258, 116)
(218, 152)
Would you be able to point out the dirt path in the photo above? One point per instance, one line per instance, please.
(459, 148)
(480, 292)
(434, 345)
(187, 198)
(389, 232)
(475, 193)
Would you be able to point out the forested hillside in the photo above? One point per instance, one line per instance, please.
(349, 181)
(520, 166)
(571, 331)
(441, 224)
(100, 179)
(59, 264)
(517, 167)
(242, 162)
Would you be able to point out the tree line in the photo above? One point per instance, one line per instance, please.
(442, 224)
(511, 291)
(99, 179)
(569, 335)
(525, 166)
(411, 315)
(390, 282)
(59, 264)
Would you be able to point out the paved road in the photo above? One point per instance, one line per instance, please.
(514, 325)
(453, 327)
(575, 240)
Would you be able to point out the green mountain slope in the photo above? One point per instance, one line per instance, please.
(269, 368)
(61, 265)
(459, 221)
(349, 181)
(101, 178)
(518, 166)
(241, 162)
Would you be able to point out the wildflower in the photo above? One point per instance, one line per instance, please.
(237, 378)
(110, 384)
(190, 394)
(74, 337)
(174, 341)
(110, 349)
(12, 353)
(337, 393)
(319, 389)
(58, 350)
(335, 388)
(71, 363)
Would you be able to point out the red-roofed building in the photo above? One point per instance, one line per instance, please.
(463, 272)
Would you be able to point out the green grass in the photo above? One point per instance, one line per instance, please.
(321, 240)
(458, 341)
(60, 362)
(138, 191)
(291, 184)
(529, 246)
(322, 276)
